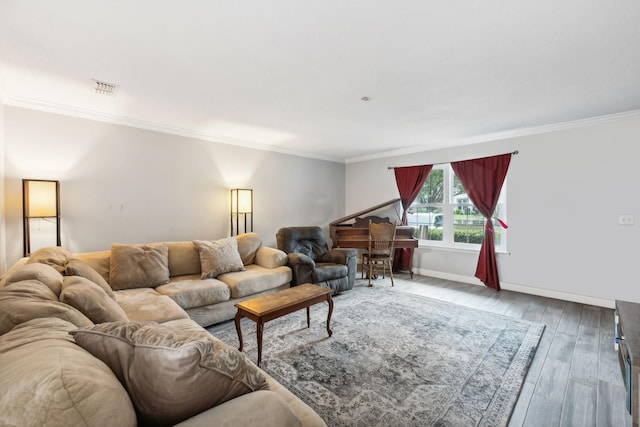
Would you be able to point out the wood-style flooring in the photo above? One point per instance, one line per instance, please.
(574, 378)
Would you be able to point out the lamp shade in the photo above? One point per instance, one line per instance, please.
(40, 213)
(242, 201)
(41, 198)
(241, 208)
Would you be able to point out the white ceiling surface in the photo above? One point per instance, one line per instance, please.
(289, 75)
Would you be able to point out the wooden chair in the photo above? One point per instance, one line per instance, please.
(380, 251)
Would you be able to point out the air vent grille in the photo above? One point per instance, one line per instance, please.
(104, 88)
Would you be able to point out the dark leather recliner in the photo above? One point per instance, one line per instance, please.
(312, 262)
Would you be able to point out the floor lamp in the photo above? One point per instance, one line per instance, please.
(41, 213)
(241, 207)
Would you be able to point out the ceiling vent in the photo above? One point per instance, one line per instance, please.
(104, 88)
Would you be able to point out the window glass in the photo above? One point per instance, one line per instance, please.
(425, 214)
(443, 214)
(468, 223)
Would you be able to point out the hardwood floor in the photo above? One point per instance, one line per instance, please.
(574, 378)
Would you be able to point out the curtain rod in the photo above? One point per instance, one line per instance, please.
(515, 152)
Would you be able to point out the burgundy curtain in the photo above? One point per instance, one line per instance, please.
(410, 180)
(482, 179)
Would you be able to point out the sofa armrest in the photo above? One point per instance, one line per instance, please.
(262, 407)
(270, 257)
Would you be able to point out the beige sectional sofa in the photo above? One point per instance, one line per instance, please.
(168, 283)
(92, 339)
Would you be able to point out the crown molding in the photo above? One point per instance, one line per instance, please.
(495, 136)
(68, 110)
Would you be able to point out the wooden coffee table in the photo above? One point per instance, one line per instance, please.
(268, 307)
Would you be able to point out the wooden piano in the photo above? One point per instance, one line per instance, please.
(355, 234)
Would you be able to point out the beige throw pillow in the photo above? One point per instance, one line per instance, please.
(218, 257)
(75, 267)
(32, 299)
(91, 300)
(138, 266)
(248, 244)
(43, 273)
(171, 374)
(55, 256)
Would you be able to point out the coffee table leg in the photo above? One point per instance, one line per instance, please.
(330, 301)
(259, 329)
(308, 319)
(238, 317)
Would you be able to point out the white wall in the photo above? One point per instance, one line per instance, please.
(3, 232)
(122, 184)
(565, 191)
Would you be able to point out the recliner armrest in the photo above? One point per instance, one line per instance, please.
(298, 258)
(302, 266)
(339, 256)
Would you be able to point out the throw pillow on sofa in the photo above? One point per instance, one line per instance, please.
(138, 265)
(218, 257)
(171, 374)
(91, 300)
(55, 256)
(75, 267)
(43, 273)
(248, 245)
(32, 299)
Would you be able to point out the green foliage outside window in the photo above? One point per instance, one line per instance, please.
(463, 236)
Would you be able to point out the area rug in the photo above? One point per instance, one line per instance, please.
(397, 359)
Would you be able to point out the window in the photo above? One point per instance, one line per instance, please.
(443, 215)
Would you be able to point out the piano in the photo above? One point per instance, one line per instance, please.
(352, 231)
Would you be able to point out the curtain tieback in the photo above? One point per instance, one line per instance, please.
(503, 224)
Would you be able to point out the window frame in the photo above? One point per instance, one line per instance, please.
(449, 204)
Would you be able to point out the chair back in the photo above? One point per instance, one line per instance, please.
(306, 240)
(381, 237)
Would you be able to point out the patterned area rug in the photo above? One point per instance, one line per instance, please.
(397, 359)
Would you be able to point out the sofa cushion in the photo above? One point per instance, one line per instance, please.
(31, 299)
(145, 305)
(46, 379)
(184, 259)
(43, 273)
(75, 267)
(138, 265)
(29, 289)
(91, 300)
(248, 245)
(218, 257)
(100, 261)
(55, 256)
(18, 264)
(255, 279)
(192, 291)
(171, 374)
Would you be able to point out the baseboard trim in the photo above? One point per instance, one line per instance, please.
(531, 290)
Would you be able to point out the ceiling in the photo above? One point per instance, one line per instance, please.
(290, 75)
